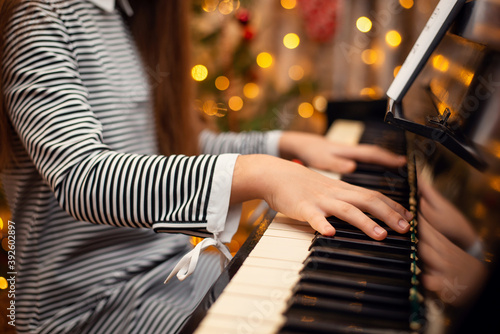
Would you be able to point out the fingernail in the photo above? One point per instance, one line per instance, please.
(403, 224)
(378, 230)
(328, 230)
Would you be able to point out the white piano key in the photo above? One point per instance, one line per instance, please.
(253, 324)
(289, 234)
(282, 248)
(254, 261)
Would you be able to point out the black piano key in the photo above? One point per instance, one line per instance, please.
(338, 223)
(359, 295)
(359, 235)
(300, 320)
(393, 260)
(377, 182)
(366, 168)
(389, 285)
(366, 309)
(336, 265)
(373, 245)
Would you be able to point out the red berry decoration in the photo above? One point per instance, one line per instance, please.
(243, 15)
(320, 18)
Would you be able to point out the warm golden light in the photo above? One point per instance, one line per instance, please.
(226, 7)
(199, 72)
(369, 56)
(393, 38)
(495, 183)
(209, 5)
(222, 83)
(251, 90)
(440, 63)
(291, 40)
(364, 24)
(296, 72)
(235, 103)
(306, 110)
(371, 92)
(264, 60)
(3, 283)
(288, 4)
(213, 108)
(406, 3)
(1, 224)
(320, 103)
(466, 76)
(396, 70)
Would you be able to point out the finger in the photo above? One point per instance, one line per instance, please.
(356, 217)
(380, 206)
(340, 165)
(371, 154)
(318, 222)
(392, 213)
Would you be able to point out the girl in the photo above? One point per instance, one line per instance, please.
(96, 155)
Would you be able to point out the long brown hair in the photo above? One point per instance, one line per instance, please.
(161, 31)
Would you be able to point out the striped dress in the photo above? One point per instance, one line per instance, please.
(88, 190)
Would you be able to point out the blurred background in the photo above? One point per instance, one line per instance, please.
(279, 64)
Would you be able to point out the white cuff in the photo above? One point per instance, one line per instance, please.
(223, 221)
(273, 142)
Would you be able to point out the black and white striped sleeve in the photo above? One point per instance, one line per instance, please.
(48, 106)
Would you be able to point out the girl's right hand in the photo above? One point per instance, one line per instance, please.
(303, 194)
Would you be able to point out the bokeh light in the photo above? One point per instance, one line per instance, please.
(406, 3)
(306, 110)
(393, 38)
(264, 60)
(235, 103)
(364, 24)
(251, 90)
(373, 92)
(369, 56)
(3, 283)
(226, 7)
(291, 40)
(199, 72)
(296, 72)
(288, 4)
(222, 83)
(320, 103)
(209, 5)
(440, 63)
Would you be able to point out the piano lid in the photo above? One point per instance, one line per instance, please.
(454, 99)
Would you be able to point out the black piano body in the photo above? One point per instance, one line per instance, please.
(451, 121)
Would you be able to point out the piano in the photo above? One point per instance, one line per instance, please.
(288, 279)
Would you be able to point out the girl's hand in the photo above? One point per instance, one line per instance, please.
(316, 151)
(303, 194)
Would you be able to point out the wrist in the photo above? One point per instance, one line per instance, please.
(287, 144)
(247, 183)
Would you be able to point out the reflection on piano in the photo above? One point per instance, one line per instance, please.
(288, 279)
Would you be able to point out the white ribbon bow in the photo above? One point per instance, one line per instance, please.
(187, 264)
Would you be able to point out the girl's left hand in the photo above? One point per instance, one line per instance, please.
(316, 151)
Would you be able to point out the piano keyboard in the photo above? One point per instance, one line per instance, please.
(297, 281)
